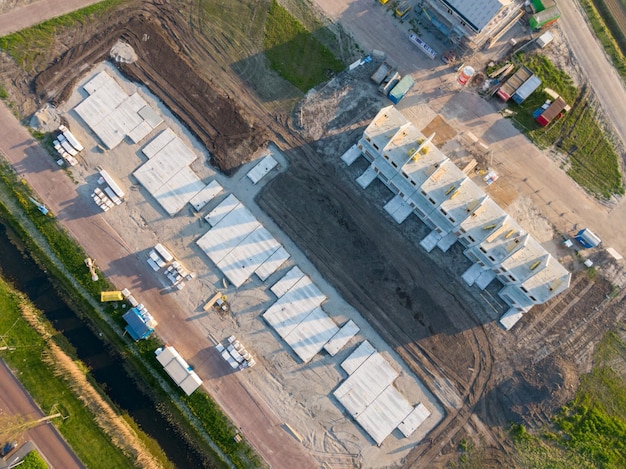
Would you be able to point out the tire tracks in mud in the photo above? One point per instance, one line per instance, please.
(327, 191)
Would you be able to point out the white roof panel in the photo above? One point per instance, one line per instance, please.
(262, 168)
(167, 355)
(248, 255)
(164, 165)
(309, 337)
(384, 414)
(150, 116)
(398, 208)
(365, 384)
(358, 357)
(272, 264)
(157, 143)
(287, 281)
(178, 190)
(228, 233)
(98, 81)
(177, 369)
(224, 208)
(111, 113)
(412, 421)
(341, 338)
(140, 132)
(295, 305)
(191, 383)
(176, 150)
(207, 194)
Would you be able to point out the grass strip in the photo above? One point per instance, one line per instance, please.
(606, 38)
(294, 52)
(591, 158)
(33, 461)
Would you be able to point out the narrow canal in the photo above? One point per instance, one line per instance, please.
(105, 364)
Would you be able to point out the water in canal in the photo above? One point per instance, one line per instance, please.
(105, 365)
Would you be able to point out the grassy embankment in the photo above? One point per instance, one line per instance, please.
(296, 54)
(611, 35)
(29, 47)
(587, 433)
(590, 156)
(591, 430)
(53, 393)
(199, 415)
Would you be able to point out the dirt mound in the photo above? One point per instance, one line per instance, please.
(214, 117)
(124, 53)
(46, 119)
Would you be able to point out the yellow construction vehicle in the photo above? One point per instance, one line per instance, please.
(402, 10)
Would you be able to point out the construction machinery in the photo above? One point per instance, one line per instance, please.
(91, 265)
(218, 301)
(42, 208)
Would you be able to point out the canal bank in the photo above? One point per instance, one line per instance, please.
(105, 364)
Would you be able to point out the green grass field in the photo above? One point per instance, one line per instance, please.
(592, 160)
(295, 53)
(590, 432)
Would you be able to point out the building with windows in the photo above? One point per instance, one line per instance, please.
(472, 24)
(426, 182)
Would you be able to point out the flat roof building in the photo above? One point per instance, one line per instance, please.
(472, 23)
(457, 209)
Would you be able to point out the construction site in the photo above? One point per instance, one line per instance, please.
(237, 221)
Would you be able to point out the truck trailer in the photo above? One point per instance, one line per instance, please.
(381, 73)
(401, 89)
(554, 111)
(516, 80)
(526, 89)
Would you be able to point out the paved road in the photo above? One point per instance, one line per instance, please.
(15, 400)
(82, 219)
(34, 13)
(600, 73)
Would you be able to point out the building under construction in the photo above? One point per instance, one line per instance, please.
(428, 184)
(472, 24)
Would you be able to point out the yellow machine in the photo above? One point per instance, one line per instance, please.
(403, 9)
(111, 296)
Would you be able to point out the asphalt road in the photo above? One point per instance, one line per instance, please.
(34, 13)
(602, 76)
(15, 400)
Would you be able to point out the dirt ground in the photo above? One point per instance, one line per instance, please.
(482, 377)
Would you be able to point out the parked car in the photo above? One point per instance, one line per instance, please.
(7, 448)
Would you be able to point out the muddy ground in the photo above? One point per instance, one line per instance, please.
(447, 333)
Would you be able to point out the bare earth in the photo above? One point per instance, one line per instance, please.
(411, 305)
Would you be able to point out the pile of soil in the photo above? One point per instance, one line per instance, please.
(230, 134)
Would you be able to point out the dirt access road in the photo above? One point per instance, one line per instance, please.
(14, 400)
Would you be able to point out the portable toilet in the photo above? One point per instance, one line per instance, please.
(587, 238)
